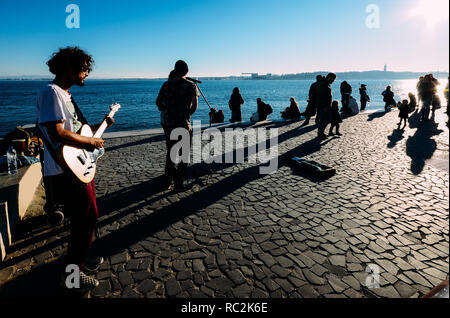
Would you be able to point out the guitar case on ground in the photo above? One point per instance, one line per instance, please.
(312, 167)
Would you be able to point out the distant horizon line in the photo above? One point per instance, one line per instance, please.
(44, 77)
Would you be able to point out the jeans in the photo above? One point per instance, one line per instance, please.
(363, 104)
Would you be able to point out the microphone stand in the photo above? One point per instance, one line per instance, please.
(196, 82)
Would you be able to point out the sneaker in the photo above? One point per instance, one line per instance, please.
(92, 264)
(55, 219)
(338, 134)
(322, 137)
(331, 134)
(86, 283)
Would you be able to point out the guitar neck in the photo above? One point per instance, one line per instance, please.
(104, 125)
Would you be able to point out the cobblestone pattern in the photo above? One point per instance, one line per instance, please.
(237, 233)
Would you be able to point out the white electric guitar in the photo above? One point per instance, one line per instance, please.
(83, 162)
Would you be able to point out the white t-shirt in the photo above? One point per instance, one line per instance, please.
(54, 104)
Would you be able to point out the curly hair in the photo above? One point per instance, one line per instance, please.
(70, 57)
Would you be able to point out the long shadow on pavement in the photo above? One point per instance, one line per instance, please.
(128, 235)
(421, 146)
(376, 115)
(155, 138)
(396, 136)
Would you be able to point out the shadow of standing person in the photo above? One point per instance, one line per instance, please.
(421, 146)
(396, 136)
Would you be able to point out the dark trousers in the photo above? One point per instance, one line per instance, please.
(363, 104)
(80, 204)
(325, 118)
(334, 125)
(174, 172)
(236, 116)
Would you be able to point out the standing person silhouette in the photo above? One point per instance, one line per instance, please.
(235, 103)
(364, 96)
(324, 100)
(427, 90)
(178, 100)
(311, 108)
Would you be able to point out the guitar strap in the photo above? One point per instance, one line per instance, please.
(47, 143)
(44, 138)
(80, 115)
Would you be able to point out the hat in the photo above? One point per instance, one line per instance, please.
(363, 85)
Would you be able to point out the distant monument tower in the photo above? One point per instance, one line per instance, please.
(385, 68)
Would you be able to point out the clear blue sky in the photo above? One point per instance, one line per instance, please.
(227, 37)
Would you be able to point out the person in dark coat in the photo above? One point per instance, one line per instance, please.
(388, 98)
(264, 109)
(335, 118)
(178, 99)
(426, 90)
(235, 103)
(364, 96)
(291, 112)
(311, 108)
(324, 99)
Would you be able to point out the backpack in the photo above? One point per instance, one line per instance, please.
(20, 133)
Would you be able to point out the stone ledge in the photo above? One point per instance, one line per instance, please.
(5, 232)
(18, 192)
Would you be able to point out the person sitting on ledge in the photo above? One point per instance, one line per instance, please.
(388, 99)
(216, 116)
(291, 112)
(263, 110)
(353, 108)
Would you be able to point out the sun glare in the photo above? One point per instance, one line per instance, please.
(431, 12)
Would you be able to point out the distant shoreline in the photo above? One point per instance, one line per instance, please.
(366, 75)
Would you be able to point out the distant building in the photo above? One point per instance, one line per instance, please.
(253, 75)
(385, 68)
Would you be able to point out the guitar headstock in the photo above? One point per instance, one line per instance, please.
(114, 107)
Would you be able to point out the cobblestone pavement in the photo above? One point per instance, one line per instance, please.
(238, 233)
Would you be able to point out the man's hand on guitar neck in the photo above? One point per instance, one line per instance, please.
(109, 122)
